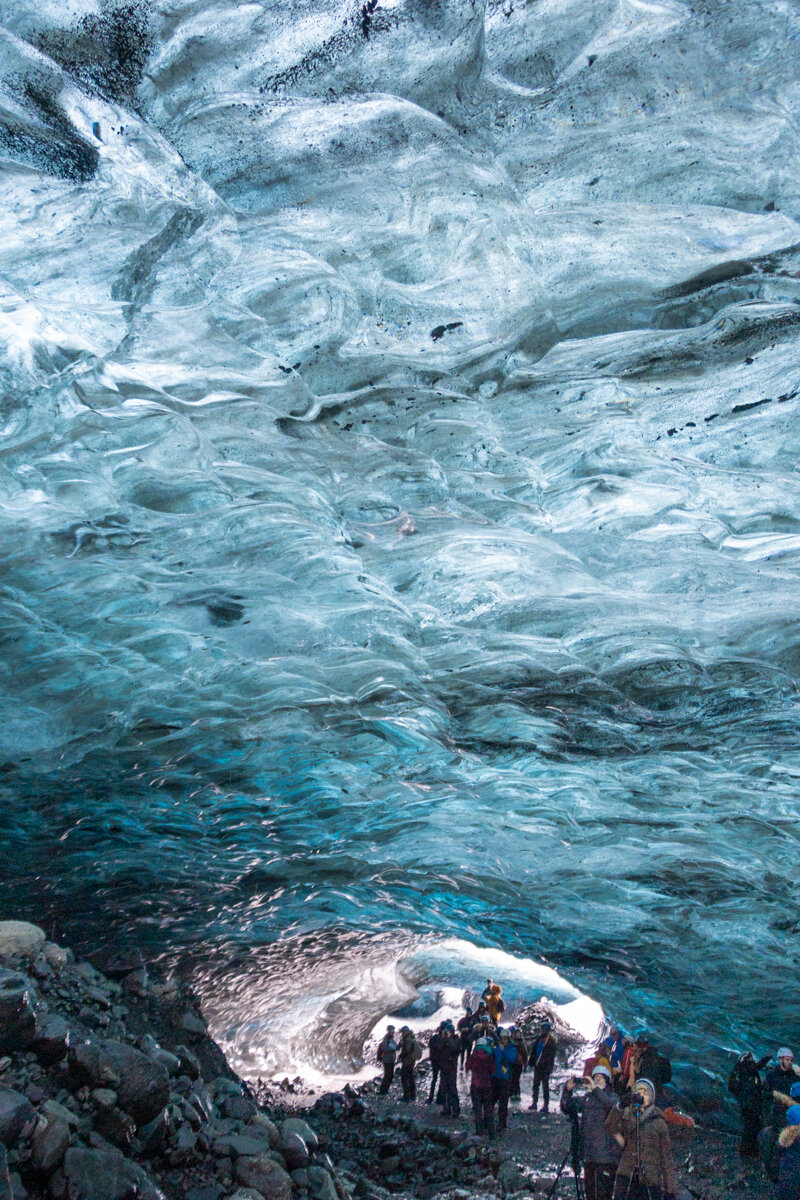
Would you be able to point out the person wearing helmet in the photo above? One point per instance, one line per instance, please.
(778, 1082)
(600, 1151)
(646, 1170)
(480, 1065)
(744, 1083)
(543, 1058)
(789, 1162)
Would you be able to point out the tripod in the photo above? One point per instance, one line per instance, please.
(637, 1185)
(574, 1153)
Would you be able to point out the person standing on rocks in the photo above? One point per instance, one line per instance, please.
(744, 1083)
(599, 1150)
(435, 1056)
(480, 1065)
(466, 1031)
(410, 1053)
(495, 1004)
(504, 1057)
(448, 1057)
(543, 1059)
(520, 1062)
(387, 1057)
(646, 1170)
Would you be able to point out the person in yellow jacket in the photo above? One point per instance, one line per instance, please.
(494, 1004)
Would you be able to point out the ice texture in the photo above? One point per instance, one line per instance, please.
(399, 502)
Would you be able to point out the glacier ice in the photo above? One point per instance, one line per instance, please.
(398, 491)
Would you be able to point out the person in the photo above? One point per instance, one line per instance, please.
(448, 1056)
(648, 1063)
(504, 1056)
(480, 1065)
(487, 991)
(645, 1170)
(495, 1005)
(789, 1162)
(466, 1027)
(410, 1053)
(744, 1084)
(387, 1057)
(543, 1058)
(520, 1062)
(599, 1150)
(435, 1056)
(614, 1047)
(779, 1079)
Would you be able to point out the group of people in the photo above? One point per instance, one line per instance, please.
(620, 1127)
(770, 1111)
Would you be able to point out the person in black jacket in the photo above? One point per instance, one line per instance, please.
(387, 1057)
(598, 1149)
(744, 1083)
(648, 1063)
(466, 1032)
(542, 1060)
(435, 1056)
(779, 1079)
(448, 1058)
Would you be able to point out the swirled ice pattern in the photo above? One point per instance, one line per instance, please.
(399, 503)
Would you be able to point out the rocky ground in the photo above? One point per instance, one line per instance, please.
(111, 1089)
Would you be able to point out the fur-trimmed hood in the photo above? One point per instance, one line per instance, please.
(788, 1136)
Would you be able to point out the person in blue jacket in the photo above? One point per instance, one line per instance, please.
(504, 1058)
(789, 1162)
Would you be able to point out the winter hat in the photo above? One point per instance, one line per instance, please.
(646, 1083)
(601, 1071)
(784, 1053)
(793, 1115)
(794, 1091)
(484, 1044)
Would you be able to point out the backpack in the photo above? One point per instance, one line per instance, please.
(500, 1005)
(417, 1052)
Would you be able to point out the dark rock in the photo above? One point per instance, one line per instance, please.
(5, 1178)
(135, 984)
(321, 1184)
(205, 1191)
(17, 1017)
(294, 1150)
(192, 1024)
(122, 964)
(154, 1135)
(184, 1146)
(16, 1115)
(237, 1144)
(189, 1062)
(60, 1112)
(106, 1175)
(265, 1175)
(116, 1126)
(302, 1129)
(238, 1107)
(49, 1145)
(142, 1086)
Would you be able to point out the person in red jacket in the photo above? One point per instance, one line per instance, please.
(480, 1065)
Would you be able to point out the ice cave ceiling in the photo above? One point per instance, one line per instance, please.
(399, 501)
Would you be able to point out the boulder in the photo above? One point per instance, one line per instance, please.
(56, 957)
(142, 1086)
(16, 1115)
(259, 1124)
(237, 1144)
(52, 1041)
(49, 1144)
(264, 1175)
(294, 1150)
(238, 1107)
(17, 1017)
(302, 1129)
(18, 939)
(321, 1185)
(116, 1127)
(510, 1177)
(92, 1174)
(51, 1108)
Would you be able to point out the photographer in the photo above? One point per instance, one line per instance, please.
(598, 1149)
(745, 1084)
(646, 1170)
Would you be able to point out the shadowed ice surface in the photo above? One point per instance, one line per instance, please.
(399, 504)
